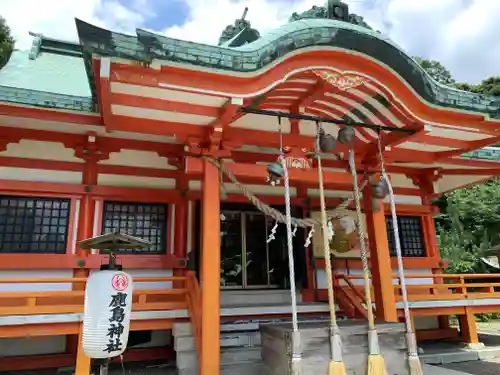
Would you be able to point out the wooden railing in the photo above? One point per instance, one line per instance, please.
(451, 287)
(71, 301)
(442, 287)
(350, 299)
(193, 299)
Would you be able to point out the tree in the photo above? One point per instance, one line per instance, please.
(469, 223)
(7, 42)
(490, 86)
(469, 226)
(436, 70)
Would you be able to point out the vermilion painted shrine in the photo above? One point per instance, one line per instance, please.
(108, 134)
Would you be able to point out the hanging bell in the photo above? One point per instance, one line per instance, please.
(276, 172)
(346, 135)
(327, 141)
(380, 190)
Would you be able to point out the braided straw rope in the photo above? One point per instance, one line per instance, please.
(335, 340)
(339, 212)
(362, 242)
(412, 344)
(291, 265)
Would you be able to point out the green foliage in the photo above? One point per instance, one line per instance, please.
(7, 42)
(469, 223)
(468, 226)
(489, 86)
(436, 70)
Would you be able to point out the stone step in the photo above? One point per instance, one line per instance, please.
(255, 297)
(228, 356)
(227, 340)
(185, 330)
(238, 369)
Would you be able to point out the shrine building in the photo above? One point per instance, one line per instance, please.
(126, 133)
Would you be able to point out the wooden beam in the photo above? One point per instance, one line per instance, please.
(474, 145)
(370, 151)
(310, 96)
(226, 116)
(194, 166)
(105, 93)
(470, 172)
(50, 114)
(164, 105)
(93, 261)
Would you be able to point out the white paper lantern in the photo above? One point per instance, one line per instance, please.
(106, 321)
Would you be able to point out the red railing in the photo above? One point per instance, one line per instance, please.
(441, 287)
(193, 299)
(71, 301)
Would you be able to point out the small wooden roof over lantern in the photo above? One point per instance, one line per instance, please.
(113, 242)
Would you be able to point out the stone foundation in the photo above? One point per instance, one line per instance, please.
(276, 347)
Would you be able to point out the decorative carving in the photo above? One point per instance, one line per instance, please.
(342, 81)
(297, 162)
(334, 9)
(314, 12)
(91, 150)
(296, 158)
(426, 180)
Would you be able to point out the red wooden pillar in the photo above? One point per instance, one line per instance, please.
(210, 272)
(85, 230)
(87, 210)
(468, 327)
(380, 259)
(180, 229)
(181, 215)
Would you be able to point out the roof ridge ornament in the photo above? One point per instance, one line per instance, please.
(35, 45)
(333, 9)
(240, 33)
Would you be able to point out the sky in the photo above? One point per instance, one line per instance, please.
(464, 35)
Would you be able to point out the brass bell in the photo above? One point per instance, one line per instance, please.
(380, 190)
(276, 172)
(346, 135)
(327, 141)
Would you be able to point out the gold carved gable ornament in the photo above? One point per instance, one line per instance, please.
(342, 81)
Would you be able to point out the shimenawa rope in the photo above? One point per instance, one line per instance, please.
(339, 212)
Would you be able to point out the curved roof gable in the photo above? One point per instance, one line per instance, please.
(286, 40)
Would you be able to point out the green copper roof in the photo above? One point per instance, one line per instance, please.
(51, 74)
(489, 153)
(291, 37)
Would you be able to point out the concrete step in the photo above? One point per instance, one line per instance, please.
(227, 340)
(255, 297)
(184, 329)
(228, 356)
